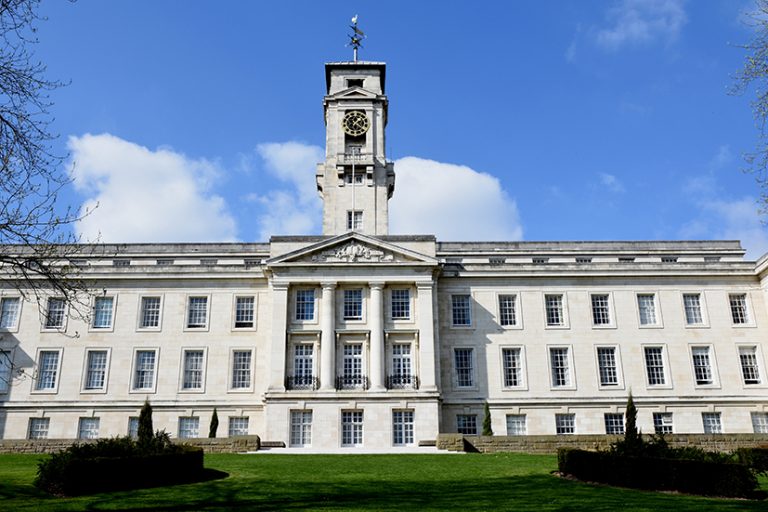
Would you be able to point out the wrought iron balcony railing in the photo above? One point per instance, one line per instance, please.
(402, 382)
(302, 382)
(352, 382)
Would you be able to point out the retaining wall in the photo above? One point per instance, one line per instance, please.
(216, 445)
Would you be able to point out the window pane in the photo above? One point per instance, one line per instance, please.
(6, 366)
(150, 312)
(241, 369)
(9, 312)
(654, 366)
(47, 370)
(662, 422)
(565, 423)
(554, 309)
(460, 309)
(305, 304)
(301, 428)
(512, 367)
(646, 305)
(516, 425)
(712, 423)
(102, 312)
(189, 427)
(739, 308)
(238, 426)
(198, 312)
(561, 375)
(353, 304)
(606, 362)
(692, 303)
(88, 428)
(466, 424)
(401, 304)
(614, 423)
(96, 369)
(601, 314)
(463, 364)
(55, 315)
(749, 367)
(402, 427)
(38, 428)
(144, 376)
(244, 309)
(352, 428)
(702, 368)
(507, 310)
(193, 369)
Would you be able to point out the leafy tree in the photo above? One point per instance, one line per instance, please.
(487, 430)
(146, 430)
(631, 435)
(214, 424)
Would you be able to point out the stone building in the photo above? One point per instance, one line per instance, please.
(360, 338)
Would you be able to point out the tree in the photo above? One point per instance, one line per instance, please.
(632, 439)
(487, 429)
(146, 431)
(214, 424)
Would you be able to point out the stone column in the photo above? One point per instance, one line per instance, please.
(279, 330)
(425, 312)
(328, 337)
(376, 321)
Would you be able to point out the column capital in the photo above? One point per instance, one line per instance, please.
(376, 285)
(280, 287)
(425, 285)
(328, 285)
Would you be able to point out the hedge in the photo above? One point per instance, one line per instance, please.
(690, 476)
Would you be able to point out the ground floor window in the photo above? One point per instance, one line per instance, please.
(352, 428)
(238, 426)
(38, 428)
(565, 423)
(88, 428)
(614, 423)
(402, 428)
(516, 425)
(466, 424)
(760, 422)
(133, 427)
(189, 427)
(712, 423)
(662, 422)
(301, 428)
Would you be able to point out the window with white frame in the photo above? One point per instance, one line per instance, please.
(194, 363)
(238, 426)
(401, 304)
(353, 304)
(614, 423)
(565, 423)
(189, 427)
(241, 369)
(463, 364)
(354, 219)
(402, 427)
(750, 370)
(133, 427)
(461, 310)
(693, 313)
(9, 312)
(401, 365)
(654, 366)
(702, 365)
(739, 312)
(352, 364)
(352, 428)
(513, 367)
(303, 364)
(760, 422)
(646, 307)
(516, 425)
(144, 369)
(466, 424)
(6, 367)
(150, 313)
(54, 316)
(305, 304)
(662, 422)
(508, 310)
(88, 428)
(601, 309)
(47, 370)
(560, 366)
(301, 428)
(244, 312)
(607, 366)
(553, 304)
(197, 313)
(95, 370)
(102, 312)
(38, 428)
(712, 423)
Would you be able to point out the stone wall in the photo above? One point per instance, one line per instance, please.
(217, 445)
(550, 444)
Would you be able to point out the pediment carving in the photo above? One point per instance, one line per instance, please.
(353, 252)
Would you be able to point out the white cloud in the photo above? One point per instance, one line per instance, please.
(451, 201)
(635, 22)
(611, 182)
(145, 195)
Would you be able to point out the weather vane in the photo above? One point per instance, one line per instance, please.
(356, 38)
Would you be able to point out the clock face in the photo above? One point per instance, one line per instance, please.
(355, 123)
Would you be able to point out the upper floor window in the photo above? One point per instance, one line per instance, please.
(353, 304)
(693, 313)
(197, 313)
(102, 312)
(461, 310)
(241, 369)
(47, 370)
(150, 313)
(54, 317)
(646, 307)
(508, 310)
(6, 367)
(654, 366)
(401, 304)
(601, 311)
(244, 312)
(702, 365)
(513, 367)
(305, 304)
(560, 365)
(607, 366)
(739, 313)
(9, 312)
(194, 363)
(750, 370)
(144, 369)
(465, 377)
(553, 304)
(355, 219)
(96, 370)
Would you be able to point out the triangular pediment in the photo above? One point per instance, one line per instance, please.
(354, 93)
(352, 249)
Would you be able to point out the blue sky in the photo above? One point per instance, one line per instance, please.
(561, 120)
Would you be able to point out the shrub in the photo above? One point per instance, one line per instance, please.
(487, 430)
(755, 458)
(214, 424)
(145, 431)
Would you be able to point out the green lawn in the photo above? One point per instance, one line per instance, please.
(363, 482)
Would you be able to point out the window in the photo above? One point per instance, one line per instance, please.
(189, 427)
(614, 423)
(352, 364)
(662, 422)
(739, 312)
(646, 307)
(6, 366)
(354, 82)
(461, 310)
(197, 313)
(352, 428)
(9, 312)
(516, 425)
(353, 152)
(144, 370)
(241, 369)
(712, 424)
(194, 361)
(601, 311)
(565, 423)
(164, 261)
(133, 427)
(244, 309)
(353, 304)
(38, 428)
(47, 370)
(301, 428)
(561, 374)
(512, 367)
(102, 312)
(540, 261)
(401, 304)
(463, 364)
(702, 366)
(305, 304)
(121, 263)
(760, 422)
(750, 370)
(95, 370)
(654, 366)
(54, 318)
(402, 427)
(508, 310)
(466, 424)
(88, 428)
(669, 259)
(583, 259)
(692, 304)
(607, 367)
(355, 217)
(238, 426)
(150, 313)
(303, 366)
(401, 366)
(553, 305)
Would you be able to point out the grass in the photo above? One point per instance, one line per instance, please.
(364, 482)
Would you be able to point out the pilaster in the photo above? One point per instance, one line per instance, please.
(327, 337)
(377, 336)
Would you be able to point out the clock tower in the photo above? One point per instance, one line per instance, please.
(356, 180)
